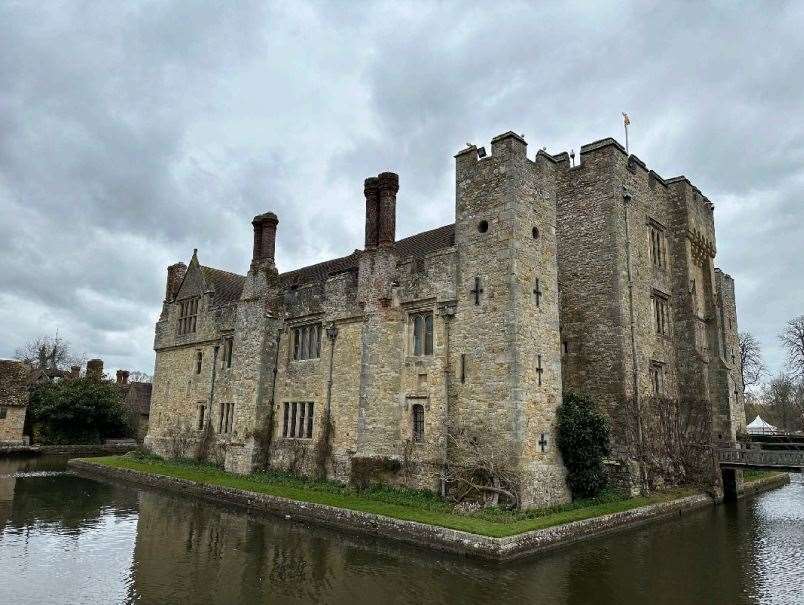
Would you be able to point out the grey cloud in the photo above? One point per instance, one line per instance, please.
(130, 135)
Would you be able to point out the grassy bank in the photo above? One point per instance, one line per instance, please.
(754, 475)
(410, 505)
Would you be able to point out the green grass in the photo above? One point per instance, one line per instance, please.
(755, 475)
(406, 504)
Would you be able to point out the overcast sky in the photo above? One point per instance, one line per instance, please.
(131, 133)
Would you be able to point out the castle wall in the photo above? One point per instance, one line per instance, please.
(594, 299)
(732, 417)
(610, 208)
(550, 284)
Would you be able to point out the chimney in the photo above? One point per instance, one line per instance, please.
(389, 185)
(175, 273)
(264, 239)
(122, 376)
(371, 189)
(95, 369)
(75, 372)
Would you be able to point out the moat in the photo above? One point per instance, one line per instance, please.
(67, 539)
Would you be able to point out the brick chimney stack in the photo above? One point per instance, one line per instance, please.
(389, 185)
(371, 189)
(122, 376)
(75, 372)
(175, 273)
(95, 369)
(264, 240)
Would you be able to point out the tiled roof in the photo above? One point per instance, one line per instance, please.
(320, 271)
(228, 286)
(416, 246)
(138, 396)
(426, 242)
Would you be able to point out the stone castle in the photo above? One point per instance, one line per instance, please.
(596, 279)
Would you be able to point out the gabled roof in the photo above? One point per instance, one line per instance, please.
(228, 286)
(137, 396)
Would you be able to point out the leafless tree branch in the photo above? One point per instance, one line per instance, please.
(752, 365)
(792, 338)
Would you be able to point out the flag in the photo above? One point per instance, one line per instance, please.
(626, 121)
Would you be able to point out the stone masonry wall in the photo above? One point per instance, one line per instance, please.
(514, 385)
(547, 288)
(606, 209)
(731, 377)
(14, 378)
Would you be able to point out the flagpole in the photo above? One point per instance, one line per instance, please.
(626, 122)
(626, 138)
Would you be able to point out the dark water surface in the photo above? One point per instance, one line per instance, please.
(65, 539)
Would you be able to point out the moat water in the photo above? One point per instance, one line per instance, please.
(67, 539)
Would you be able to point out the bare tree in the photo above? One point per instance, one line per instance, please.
(137, 376)
(752, 365)
(482, 464)
(792, 339)
(780, 396)
(48, 353)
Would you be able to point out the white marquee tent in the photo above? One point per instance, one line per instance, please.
(760, 427)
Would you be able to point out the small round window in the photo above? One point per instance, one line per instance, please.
(483, 226)
(535, 233)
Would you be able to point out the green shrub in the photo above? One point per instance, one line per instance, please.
(583, 438)
(78, 411)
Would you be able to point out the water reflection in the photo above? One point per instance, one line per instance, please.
(64, 539)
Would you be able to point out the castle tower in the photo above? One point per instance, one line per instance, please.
(507, 313)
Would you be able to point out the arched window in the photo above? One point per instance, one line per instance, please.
(418, 422)
(198, 359)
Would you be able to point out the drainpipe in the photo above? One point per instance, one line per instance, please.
(276, 368)
(635, 364)
(332, 335)
(447, 312)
